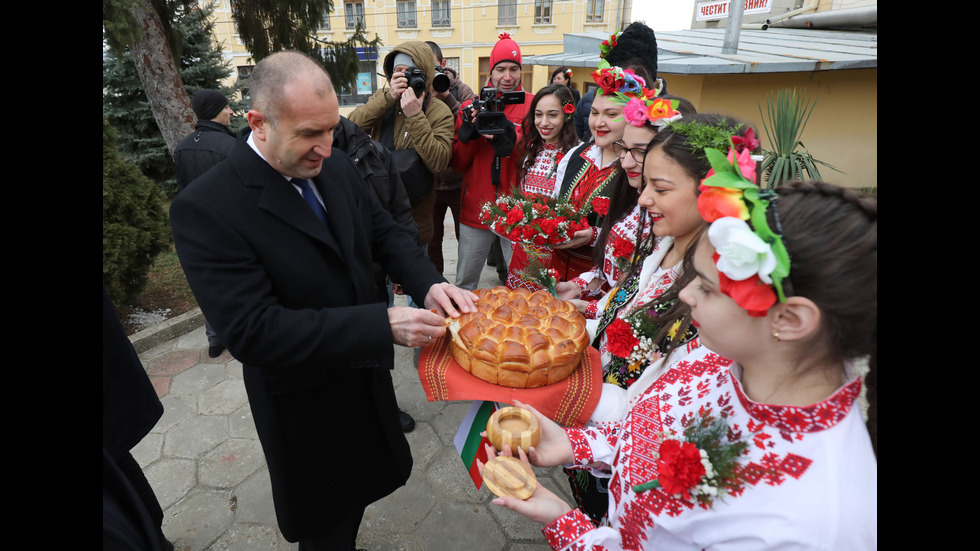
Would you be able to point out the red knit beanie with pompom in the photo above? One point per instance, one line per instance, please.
(505, 50)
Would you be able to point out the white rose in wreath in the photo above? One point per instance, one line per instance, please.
(742, 254)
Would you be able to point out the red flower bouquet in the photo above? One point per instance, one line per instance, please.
(534, 219)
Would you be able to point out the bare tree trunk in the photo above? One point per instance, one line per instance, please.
(155, 66)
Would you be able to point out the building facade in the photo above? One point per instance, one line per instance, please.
(466, 30)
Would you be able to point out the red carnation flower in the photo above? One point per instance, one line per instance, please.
(620, 339)
(600, 205)
(515, 215)
(622, 248)
(548, 226)
(679, 468)
(569, 109)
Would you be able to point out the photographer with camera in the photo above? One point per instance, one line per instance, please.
(487, 129)
(419, 131)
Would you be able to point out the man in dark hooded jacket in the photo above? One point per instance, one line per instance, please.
(400, 119)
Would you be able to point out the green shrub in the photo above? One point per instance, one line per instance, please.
(134, 223)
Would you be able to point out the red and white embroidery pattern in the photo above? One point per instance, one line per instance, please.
(800, 470)
(540, 178)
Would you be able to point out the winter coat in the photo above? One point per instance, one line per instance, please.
(200, 150)
(473, 155)
(430, 133)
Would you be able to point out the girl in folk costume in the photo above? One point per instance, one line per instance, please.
(767, 449)
(643, 327)
(585, 174)
(550, 115)
(625, 224)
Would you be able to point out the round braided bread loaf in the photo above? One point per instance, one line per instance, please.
(519, 339)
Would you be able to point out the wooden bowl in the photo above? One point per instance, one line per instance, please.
(509, 476)
(514, 426)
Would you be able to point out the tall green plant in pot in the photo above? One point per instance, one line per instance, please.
(784, 120)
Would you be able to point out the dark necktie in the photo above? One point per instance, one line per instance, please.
(311, 200)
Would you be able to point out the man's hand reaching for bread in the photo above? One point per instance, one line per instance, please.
(450, 300)
(415, 327)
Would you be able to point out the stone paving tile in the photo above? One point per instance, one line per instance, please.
(447, 421)
(195, 436)
(149, 449)
(254, 500)
(173, 363)
(199, 519)
(171, 479)
(388, 541)
(246, 537)
(175, 410)
(223, 398)
(449, 477)
(161, 385)
(231, 463)
(425, 444)
(403, 510)
(195, 381)
(463, 526)
(241, 424)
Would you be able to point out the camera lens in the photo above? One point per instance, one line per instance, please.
(440, 83)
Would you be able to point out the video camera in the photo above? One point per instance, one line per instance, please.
(489, 109)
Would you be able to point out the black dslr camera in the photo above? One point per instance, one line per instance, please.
(416, 80)
(490, 109)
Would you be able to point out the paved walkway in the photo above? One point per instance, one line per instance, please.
(206, 465)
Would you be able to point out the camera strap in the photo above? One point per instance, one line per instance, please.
(495, 171)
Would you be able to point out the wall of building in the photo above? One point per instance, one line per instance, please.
(842, 131)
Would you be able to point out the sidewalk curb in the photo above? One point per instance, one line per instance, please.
(163, 332)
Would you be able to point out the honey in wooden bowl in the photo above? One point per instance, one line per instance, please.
(514, 426)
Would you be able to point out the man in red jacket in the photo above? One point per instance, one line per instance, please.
(489, 163)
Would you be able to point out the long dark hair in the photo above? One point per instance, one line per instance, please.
(685, 148)
(831, 234)
(532, 142)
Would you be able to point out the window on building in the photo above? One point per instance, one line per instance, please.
(542, 11)
(406, 14)
(354, 13)
(453, 63)
(593, 11)
(326, 20)
(440, 13)
(507, 12)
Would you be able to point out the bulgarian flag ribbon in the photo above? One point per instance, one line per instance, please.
(468, 441)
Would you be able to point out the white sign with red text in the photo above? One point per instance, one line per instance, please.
(709, 11)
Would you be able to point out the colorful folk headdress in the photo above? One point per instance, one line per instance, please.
(647, 107)
(751, 258)
(607, 45)
(613, 81)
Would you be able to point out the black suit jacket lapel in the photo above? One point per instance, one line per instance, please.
(279, 197)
